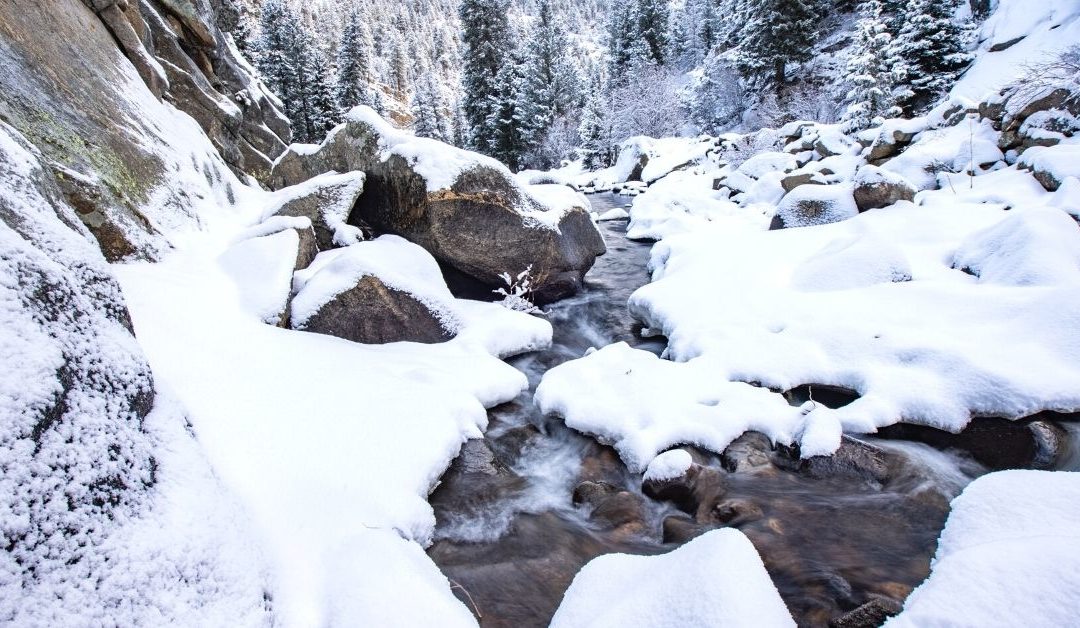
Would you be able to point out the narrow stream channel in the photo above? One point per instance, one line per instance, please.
(521, 511)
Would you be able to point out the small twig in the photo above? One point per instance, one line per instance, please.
(455, 584)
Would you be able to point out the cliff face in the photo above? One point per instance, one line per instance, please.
(91, 84)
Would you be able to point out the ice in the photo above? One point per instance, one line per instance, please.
(717, 579)
(1009, 556)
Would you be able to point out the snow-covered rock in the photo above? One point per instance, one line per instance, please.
(385, 290)
(876, 188)
(454, 203)
(1009, 555)
(810, 205)
(263, 266)
(716, 579)
(1052, 165)
(764, 163)
(1032, 247)
(326, 201)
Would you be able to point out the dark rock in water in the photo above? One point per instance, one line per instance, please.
(870, 615)
(619, 509)
(735, 512)
(602, 464)
(854, 458)
(828, 396)
(677, 529)
(478, 225)
(696, 492)
(997, 443)
(373, 313)
(592, 493)
(752, 450)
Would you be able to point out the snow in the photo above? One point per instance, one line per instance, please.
(824, 305)
(684, 201)
(325, 442)
(1047, 26)
(764, 163)
(1059, 161)
(556, 200)
(1009, 556)
(717, 579)
(950, 149)
(398, 263)
(262, 268)
(668, 465)
(1037, 247)
(615, 213)
(336, 192)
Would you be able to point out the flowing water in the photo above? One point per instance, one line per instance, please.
(510, 536)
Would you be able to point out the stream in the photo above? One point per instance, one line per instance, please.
(521, 511)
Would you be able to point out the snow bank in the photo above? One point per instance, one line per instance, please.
(262, 268)
(829, 306)
(1038, 247)
(1046, 28)
(331, 446)
(1009, 556)
(683, 202)
(717, 579)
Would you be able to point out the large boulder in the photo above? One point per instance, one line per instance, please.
(876, 188)
(467, 210)
(386, 290)
(809, 205)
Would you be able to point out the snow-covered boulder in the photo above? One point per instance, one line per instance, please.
(876, 188)
(1039, 246)
(716, 579)
(764, 163)
(810, 205)
(1052, 165)
(326, 200)
(385, 290)
(1009, 556)
(466, 209)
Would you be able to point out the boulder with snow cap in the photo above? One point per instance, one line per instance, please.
(467, 210)
(326, 200)
(386, 290)
(810, 205)
(876, 188)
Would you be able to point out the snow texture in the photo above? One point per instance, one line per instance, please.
(809, 205)
(668, 465)
(717, 579)
(262, 268)
(1009, 556)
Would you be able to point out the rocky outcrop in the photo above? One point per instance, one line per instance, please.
(184, 57)
(77, 390)
(327, 201)
(132, 166)
(468, 211)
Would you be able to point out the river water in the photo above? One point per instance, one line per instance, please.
(510, 537)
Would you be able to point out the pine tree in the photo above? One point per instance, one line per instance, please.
(549, 88)
(277, 37)
(427, 106)
(781, 33)
(486, 39)
(595, 130)
(870, 71)
(651, 18)
(354, 64)
(931, 46)
(315, 107)
(503, 123)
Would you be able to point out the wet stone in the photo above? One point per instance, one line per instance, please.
(870, 615)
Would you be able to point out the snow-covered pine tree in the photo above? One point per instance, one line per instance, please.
(550, 86)
(503, 124)
(595, 129)
(651, 22)
(314, 110)
(354, 63)
(870, 71)
(486, 40)
(717, 99)
(781, 32)
(277, 38)
(931, 45)
(427, 107)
